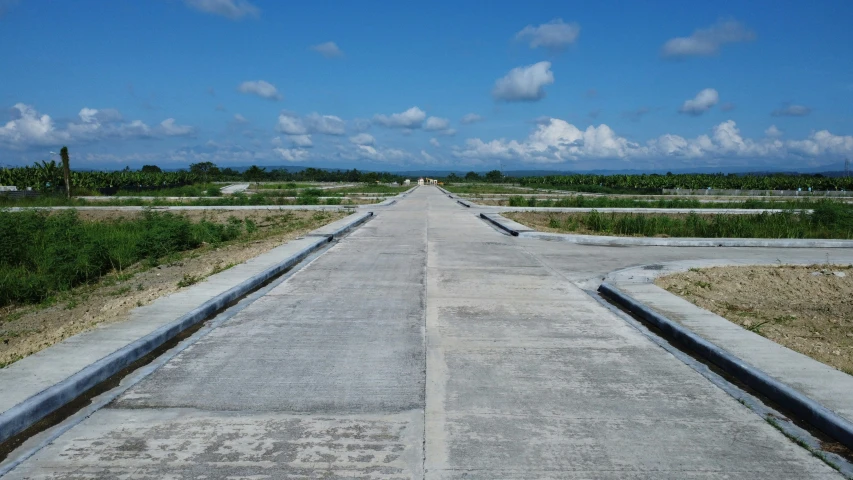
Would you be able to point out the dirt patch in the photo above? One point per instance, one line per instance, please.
(25, 330)
(807, 309)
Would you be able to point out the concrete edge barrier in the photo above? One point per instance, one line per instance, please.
(807, 409)
(346, 224)
(463, 203)
(27, 413)
(605, 240)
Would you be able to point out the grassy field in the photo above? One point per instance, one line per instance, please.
(829, 220)
(240, 199)
(484, 188)
(42, 254)
(367, 188)
(197, 190)
(26, 328)
(580, 201)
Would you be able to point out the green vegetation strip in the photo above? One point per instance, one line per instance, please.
(580, 201)
(43, 254)
(829, 221)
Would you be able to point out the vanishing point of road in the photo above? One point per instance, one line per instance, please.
(428, 345)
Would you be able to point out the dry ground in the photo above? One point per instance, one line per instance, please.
(25, 330)
(807, 309)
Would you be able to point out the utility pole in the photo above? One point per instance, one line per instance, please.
(847, 168)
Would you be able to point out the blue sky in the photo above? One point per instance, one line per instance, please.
(428, 85)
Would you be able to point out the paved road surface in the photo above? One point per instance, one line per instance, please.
(428, 345)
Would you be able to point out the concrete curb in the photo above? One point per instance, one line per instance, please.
(463, 203)
(25, 414)
(813, 412)
(523, 231)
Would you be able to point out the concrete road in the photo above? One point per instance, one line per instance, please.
(428, 345)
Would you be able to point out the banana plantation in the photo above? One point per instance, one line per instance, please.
(695, 181)
(47, 176)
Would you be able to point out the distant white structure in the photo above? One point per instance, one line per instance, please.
(8, 188)
(407, 182)
(420, 181)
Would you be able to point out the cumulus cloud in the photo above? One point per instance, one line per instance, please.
(556, 141)
(435, 123)
(231, 9)
(301, 141)
(260, 88)
(170, 128)
(291, 154)
(328, 50)
(325, 124)
(471, 118)
(790, 110)
(707, 41)
(703, 102)
(362, 139)
(29, 128)
(554, 35)
(290, 125)
(434, 142)
(772, 131)
(524, 84)
(293, 124)
(240, 118)
(411, 118)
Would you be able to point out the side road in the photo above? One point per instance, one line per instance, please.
(35, 386)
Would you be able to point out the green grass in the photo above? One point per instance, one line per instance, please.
(239, 199)
(43, 254)
(580, 201)
(830, 220)
(483, 188)
(368, 188)
(283, 186)
(196, 190)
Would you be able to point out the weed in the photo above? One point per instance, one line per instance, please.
(702, 284)
(188, 280)
(121, 291)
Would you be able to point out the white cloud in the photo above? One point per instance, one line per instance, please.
(435, 123)
(28, 128)
(106, 115)
(471, 118)
(429, 158)
(524, 83)
(554, 35)
(291, 154)
(328, 50)
(291, 125)
(707, 41)
(772, 131)
(556, 141)
(233, 9)
(434, 142)
(301, 141)
(703, 101)
(411, 118)
(362, 139)
(360, 124)
(169, 128)
(260, 88)
(240, 118)
(325, 124)
(791, 111)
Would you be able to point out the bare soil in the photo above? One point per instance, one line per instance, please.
(807, 309)
(26, 329)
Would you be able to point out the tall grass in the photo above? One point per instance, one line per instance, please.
(830, 220)
(580, 201)
(41, 254)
